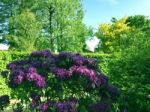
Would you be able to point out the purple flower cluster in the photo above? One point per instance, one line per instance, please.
(65, 55)
(44, 107)
(33, 104)
(48, 62)
(36, 63)
(34, 77)
(13, 65)
(60, 73)
(97, 79)
(35, 99)
(100, 80)
(80, 60)
(67, 106)
(34, 96)
(16, 77)
(36, 67)
(44, 53)
(82, 70)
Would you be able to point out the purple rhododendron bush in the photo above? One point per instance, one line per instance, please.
(64, 82)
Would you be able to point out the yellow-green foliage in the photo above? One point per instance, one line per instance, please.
(111, 34)
(95, 55)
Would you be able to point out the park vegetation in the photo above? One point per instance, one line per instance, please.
(34, 79)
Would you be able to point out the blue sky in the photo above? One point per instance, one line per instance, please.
(101, 11)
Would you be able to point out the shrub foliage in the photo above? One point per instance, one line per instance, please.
(64, 82)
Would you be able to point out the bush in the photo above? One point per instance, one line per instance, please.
(129, 70)
(8, 56)
(63, 82)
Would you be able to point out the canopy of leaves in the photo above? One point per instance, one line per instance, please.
(60, 21)
(25, 31)
(111, 35)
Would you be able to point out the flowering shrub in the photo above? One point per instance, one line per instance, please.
(64, 82)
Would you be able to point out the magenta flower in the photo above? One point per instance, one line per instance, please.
(43, 107)
(61, 73)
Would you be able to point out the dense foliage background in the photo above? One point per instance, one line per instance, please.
(53, 24)
(123, 54)
(133, 86)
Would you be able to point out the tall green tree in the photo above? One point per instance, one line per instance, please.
(9, 8)
(62, 24)
(26, 33)
(61, 21)
(140, 22)
(6, 10)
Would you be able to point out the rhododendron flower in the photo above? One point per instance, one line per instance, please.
(55, 77)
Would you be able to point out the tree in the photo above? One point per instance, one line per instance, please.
(62, 24)
(13, 8)
(112, 35)
(5, 13)
(26, 31)
(140, 22)
(114, 20)
(61, 21)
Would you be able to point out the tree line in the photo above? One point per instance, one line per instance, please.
(38, 24)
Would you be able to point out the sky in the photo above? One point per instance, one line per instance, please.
(101, 11)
